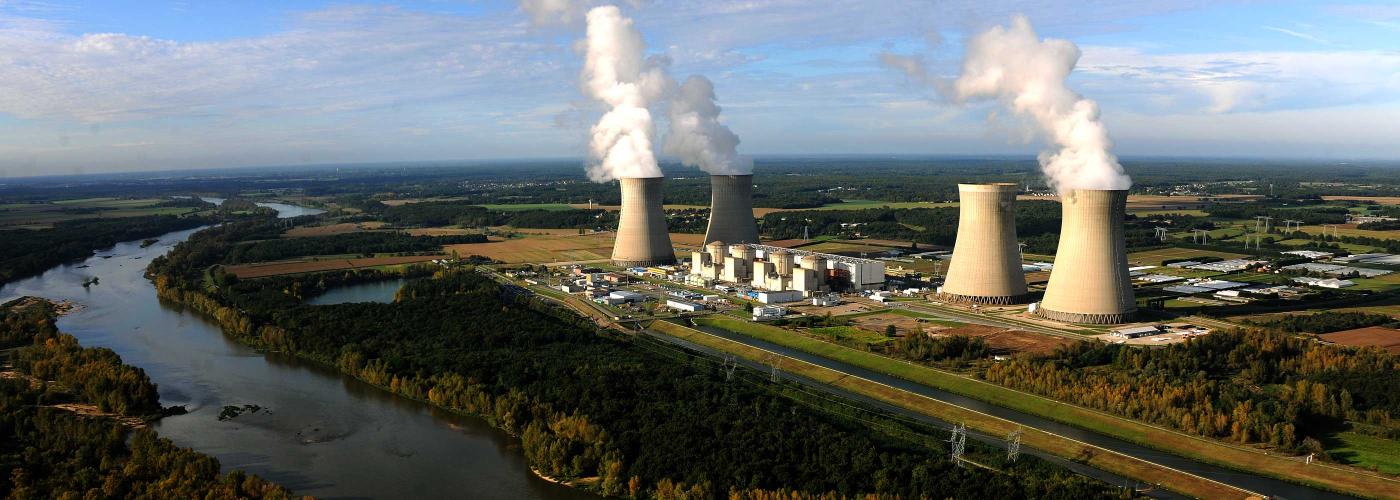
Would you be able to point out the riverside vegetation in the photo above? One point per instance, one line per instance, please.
(47, 450)
(591, 407)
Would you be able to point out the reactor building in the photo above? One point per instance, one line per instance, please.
(731, 210)
(1090, 281)
(765, 267)
(641, 238)
(986, 264)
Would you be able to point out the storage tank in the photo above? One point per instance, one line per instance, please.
(731, 210)
(1090, 281)
(986, 265)
(641, 238)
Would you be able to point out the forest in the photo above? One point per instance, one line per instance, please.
(366, 243)
(48, 452)
(28, 252)
(584, 403)
(1323, 322)
(1248, 386)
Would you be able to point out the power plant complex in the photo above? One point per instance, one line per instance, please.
(1089, 282)
(986, 265)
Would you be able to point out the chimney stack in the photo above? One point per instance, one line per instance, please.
(641, 238)
(1090, 282)
(731, 210)
(986, 265)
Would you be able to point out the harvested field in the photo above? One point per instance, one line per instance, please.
(836, 310)
(1377, 336)
(905, 324)
(441, 231)
(1379, 200)
(298, 266)
(547, 248)
(852, 248)
(327, 230)
(406, 201)
(1351, 230)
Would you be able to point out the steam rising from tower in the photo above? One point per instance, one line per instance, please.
(697, 137)
(1090, 282)
(986, 265)
(1027, 74)
(615, 74)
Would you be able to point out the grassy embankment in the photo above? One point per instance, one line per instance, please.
(1107, 460)
(1343, 479)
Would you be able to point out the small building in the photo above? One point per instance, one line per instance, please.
(826, 300)
(767, 313)
(684, 306)
(1137, 331)
(627, 296)
(778, 297)
(570, 288)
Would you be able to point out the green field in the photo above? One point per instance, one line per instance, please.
(558, 207)
(864, 204)
(1155, 257)
(852, 333)
(1365, 451)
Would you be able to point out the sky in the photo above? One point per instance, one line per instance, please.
(142, 85)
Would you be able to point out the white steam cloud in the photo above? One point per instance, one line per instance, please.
(1027, 74)
(697, 137)
(615, 73)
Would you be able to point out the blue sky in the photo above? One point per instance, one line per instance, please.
(132, 85)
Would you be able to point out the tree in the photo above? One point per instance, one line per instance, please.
(890, 330)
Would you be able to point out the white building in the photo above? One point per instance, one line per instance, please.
(766, 313)
(779, 297)
(684, 306)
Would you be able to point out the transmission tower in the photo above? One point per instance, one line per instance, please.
(957, 442)
(1202, 234)
(773, 360)
(730, 364)
(1162, 233)
(1013, 445)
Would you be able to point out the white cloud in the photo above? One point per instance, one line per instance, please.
(1250, 81)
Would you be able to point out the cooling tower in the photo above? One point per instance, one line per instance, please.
(731, 210)
(986, 265)
(1090, 283)
(641, 229)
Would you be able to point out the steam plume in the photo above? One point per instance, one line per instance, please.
(615, 74)
(697, 137)
(1027, 74)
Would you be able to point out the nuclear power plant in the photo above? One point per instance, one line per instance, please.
(1090, 281)
(731, 210)
(641, 238)
(986, 264)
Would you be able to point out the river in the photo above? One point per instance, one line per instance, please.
(374, 291)
(321, 433)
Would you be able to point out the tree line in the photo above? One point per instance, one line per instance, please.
(28, 252)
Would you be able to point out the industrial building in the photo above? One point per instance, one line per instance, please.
(641, 238)
(986, 265)
(1090, 281)
(765, 267)
(731, 210)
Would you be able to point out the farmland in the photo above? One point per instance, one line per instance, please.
(44, 215)
(319, 264)
(1155, 257)
(549, 248)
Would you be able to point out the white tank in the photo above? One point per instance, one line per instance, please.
(986, 265)
(641, 238)
(1090, 281)
(731, 210)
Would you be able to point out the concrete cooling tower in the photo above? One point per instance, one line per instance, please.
(986, 265)
(1090, 282)
(641, 229)
(731, 210)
